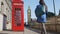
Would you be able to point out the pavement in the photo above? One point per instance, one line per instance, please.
(35, 31)
(26, 31)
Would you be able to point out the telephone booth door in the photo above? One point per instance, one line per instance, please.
(17, 16)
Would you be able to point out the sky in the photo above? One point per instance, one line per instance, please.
(34, 3)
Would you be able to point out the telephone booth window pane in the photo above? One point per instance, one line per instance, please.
(18, 16)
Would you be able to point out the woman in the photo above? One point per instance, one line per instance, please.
(42, 18)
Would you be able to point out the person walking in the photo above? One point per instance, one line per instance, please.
(40, 13)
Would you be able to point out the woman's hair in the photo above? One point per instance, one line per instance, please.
(42, 2)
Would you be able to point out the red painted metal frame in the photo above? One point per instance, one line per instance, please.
(17, 4)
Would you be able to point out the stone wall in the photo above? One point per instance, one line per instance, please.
(53, 24)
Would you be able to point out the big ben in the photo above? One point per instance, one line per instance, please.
(29, 15)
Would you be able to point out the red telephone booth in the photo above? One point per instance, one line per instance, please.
(17, 15)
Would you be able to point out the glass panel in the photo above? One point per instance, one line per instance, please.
(18, 16)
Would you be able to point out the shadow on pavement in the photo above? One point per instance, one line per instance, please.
(7, 30)
(3, 33)
(35, 30)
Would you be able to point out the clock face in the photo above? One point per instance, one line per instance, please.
(29, 11)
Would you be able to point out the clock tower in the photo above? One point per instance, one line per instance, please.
(29, 15)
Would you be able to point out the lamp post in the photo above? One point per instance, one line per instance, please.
(54, 6)
(55, 14)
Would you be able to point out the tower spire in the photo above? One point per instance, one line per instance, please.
(28, 7)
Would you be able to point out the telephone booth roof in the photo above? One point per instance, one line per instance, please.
(19, 1)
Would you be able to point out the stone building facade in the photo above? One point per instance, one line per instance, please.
(5, 11)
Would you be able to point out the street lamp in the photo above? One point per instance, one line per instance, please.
(54, 6)
(55, 15)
